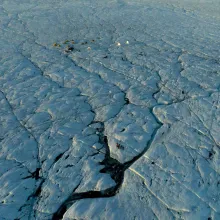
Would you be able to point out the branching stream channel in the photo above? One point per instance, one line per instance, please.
(112, 167)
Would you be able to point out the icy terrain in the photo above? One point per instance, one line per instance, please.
(109, 109)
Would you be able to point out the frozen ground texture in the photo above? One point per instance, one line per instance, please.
(125, 125)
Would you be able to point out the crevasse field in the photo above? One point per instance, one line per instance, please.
(109, 110)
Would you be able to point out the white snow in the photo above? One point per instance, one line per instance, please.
(87, 85)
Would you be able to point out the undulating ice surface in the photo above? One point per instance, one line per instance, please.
(109, 109)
